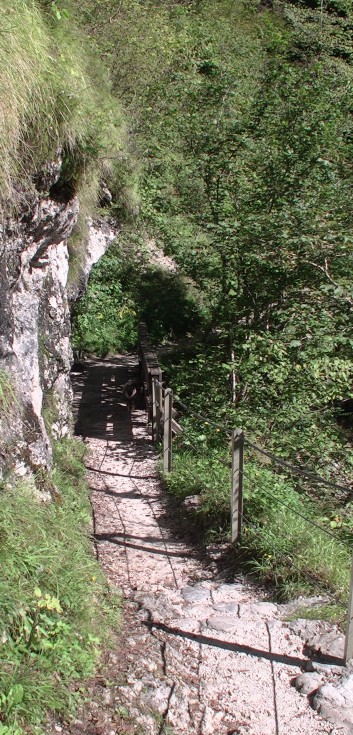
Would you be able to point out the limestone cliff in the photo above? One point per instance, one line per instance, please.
(35, 351)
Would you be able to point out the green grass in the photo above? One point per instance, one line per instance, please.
(8, 399)
(53, 93)
(279, 546)
(288, 551)
(55, 607)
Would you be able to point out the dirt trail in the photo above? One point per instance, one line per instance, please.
(198, 656)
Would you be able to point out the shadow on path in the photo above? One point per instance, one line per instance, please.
(101, 413)
(238, 647)
(124, 541)
(99, 406)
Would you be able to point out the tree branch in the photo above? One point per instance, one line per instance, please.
(324, 269)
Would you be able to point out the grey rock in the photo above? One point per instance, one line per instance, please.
(38, 452)
(334, 702)
(305, 628)
(192, 502)
(322, 668)
(144, 599)
(319, 638)
(259, 609)
(101, 233)
(308, 683)
(329, 643)
(158, 698)
(156, 607)
(106, 197)
(108, 697)
(195, 594)
(291, 608)
(187, 625)
(227, 607)
(224, 623)
(228, 592)
(35, 346)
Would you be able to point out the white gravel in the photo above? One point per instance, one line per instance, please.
(202, 657)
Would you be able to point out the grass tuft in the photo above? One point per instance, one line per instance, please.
(55, 607)
(53, 94)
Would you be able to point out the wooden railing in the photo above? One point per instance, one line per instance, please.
(162, 414)
(159, 401)
(150, 370)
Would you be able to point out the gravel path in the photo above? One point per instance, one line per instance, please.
(197, 656)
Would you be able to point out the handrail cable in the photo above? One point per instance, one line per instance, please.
(218, 459)
(202, 418)
(195, 413)
(287, 465)
(298, 470)
(301, 515)
(299, 569)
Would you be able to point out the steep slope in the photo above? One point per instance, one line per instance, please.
(58, 122)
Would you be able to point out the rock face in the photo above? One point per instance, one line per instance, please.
(101, 233)
(35, 351)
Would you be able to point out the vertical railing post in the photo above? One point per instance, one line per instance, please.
(154, 410)
(348, 647)
(167, 430)
(236, 502)
(159, 408)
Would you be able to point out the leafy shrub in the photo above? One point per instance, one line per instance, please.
(123, 289)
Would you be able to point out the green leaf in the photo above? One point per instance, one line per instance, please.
(15, 695)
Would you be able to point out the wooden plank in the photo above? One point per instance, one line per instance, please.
(176, 428)
(236, 502)
(150, 369)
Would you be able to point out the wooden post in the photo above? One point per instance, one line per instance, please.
(159, 408)
(348, 647)
(154, 411)
(167, 430)
(236, 502)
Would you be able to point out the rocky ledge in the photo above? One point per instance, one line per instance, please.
(35, 351)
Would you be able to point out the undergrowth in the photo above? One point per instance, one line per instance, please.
(54, 94)
(55, 607)
(297, 535)
(125, 288)
(8, 399)
(279, 546)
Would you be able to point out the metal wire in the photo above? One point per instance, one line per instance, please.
(287, 465)
(199, 416)
(218, 459)
(301, 515)
(299, 569)
(298, 470)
